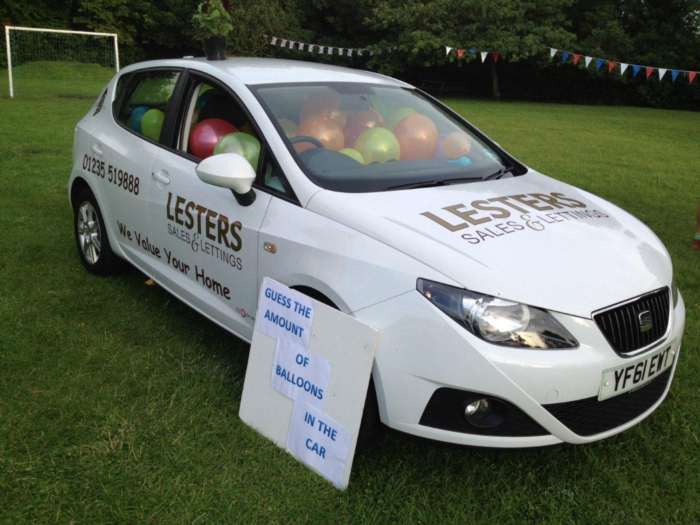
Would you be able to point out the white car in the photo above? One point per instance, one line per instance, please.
(514, 310)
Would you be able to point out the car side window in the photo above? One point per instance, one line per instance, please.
(216, 123)
(145, 100)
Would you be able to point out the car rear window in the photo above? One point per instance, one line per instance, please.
(144, 98)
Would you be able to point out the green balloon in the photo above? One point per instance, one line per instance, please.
(397, 116)
(151, 123)
(353, 154)
(153, 91)
(242, 143)
(378, 145)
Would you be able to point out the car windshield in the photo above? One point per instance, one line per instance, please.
(356, 137)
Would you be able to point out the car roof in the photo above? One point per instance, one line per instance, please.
(276, 71)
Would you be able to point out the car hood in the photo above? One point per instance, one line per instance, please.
(530, 239)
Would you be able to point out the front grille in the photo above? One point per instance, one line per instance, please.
(623, 326)
(589, 416)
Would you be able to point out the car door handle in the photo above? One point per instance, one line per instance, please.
(96, 149)
(161, 176)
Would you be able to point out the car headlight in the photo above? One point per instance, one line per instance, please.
(496, 320)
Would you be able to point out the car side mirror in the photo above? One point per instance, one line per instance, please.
(229, 170)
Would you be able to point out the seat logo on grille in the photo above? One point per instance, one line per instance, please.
(646, 323)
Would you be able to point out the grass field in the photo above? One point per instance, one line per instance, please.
(118, 404)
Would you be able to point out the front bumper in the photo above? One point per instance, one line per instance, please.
(422, 351)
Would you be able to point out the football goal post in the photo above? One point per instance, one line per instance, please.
(41, 57)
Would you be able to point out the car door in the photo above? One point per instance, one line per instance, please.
(209, 237)
(142, 102)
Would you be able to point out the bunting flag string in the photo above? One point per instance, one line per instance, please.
(319, 49)
(463, 53)
(649, 71)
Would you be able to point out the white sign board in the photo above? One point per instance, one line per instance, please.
(307, 377)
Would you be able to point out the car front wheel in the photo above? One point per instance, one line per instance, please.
(91, 236)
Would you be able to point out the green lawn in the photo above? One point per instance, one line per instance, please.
(118, 404)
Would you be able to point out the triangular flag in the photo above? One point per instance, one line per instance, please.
(552, 52)
(301, 46)
(484, 54)
(576, 59)
(283, 42)
(460, 53)
(623, 68)
(674, 74)
(564, 56)
(662, 72)
(472, 51)
(648, 71)
(495, 55)
(611, 65)
(321, 50)
(587, 61)
(273, 42)
(636, 68)
(599, 63)
(350, 52)
(448, 50)
(691, 76)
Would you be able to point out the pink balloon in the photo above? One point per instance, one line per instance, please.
(206, 135)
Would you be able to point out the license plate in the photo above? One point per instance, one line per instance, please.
(634, 374)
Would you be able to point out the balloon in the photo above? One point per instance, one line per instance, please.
(454, 145)
(288, 126)
(154, 91)
(397, 115)
(325, 130)
(242, 143)
(135, 118)
(378, 145)
(206, 135)
(417, 136)
(151, 123)
(358, 122)
(353, 154)
(327, 104)
(461, 161)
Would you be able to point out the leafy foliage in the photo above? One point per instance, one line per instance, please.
(410, 34)
(212, 20)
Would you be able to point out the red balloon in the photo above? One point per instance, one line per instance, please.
(206, 134)
(417, 137)
(326, 131)
(358, 122)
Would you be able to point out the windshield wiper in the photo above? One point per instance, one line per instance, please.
(432, 182)
(497, 175)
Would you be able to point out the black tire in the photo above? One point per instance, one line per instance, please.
(96, 254)
(371, 428)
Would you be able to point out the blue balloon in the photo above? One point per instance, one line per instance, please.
(135, 118)
(461, 161)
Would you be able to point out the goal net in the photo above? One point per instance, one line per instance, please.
(54, 62)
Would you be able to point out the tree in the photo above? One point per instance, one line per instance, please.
(416, 31)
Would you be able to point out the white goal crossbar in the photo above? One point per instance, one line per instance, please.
(8, 45)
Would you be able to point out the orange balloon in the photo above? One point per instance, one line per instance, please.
(326, 131)
(417, 137)
(358, 122)
(325, 104)
(455, 145)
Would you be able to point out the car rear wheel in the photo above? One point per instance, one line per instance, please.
(91, 236)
